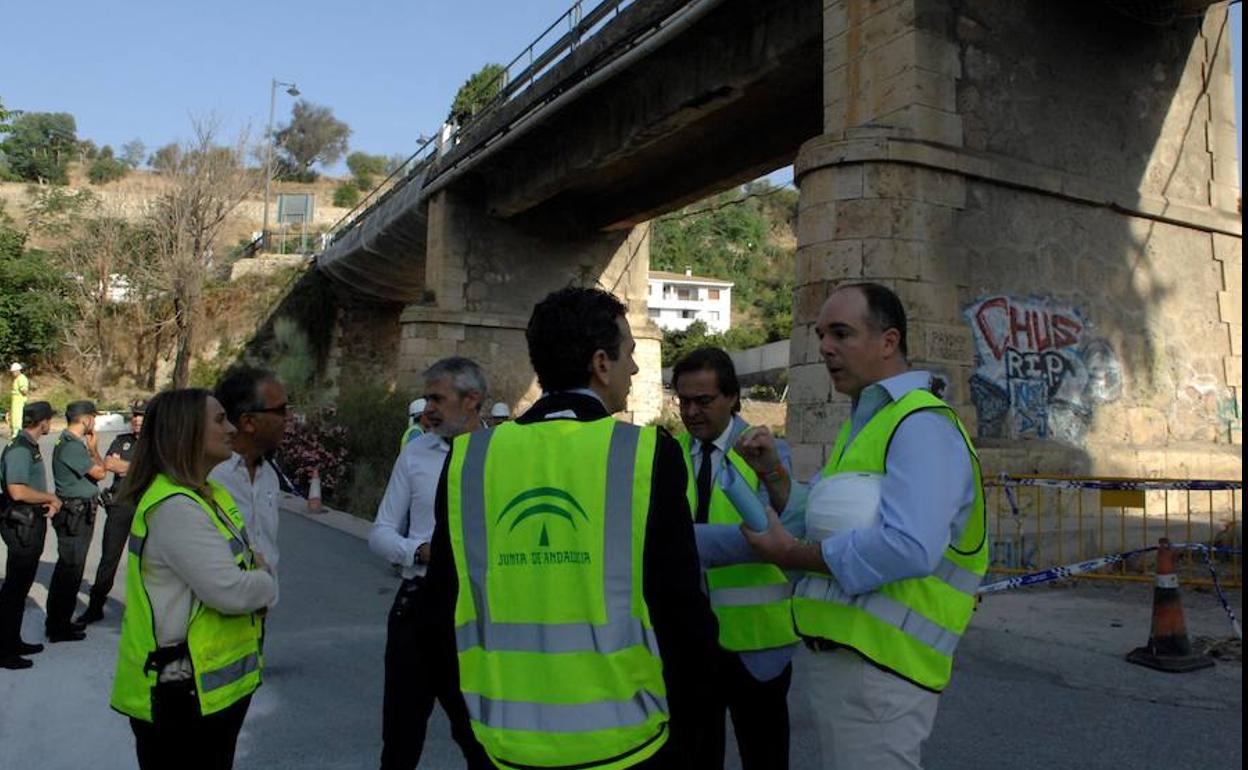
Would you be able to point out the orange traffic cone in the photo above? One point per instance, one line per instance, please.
(1168, 647)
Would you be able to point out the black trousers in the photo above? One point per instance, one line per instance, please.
(759, 711)
(73, 524)
(181, 737)
(24, 542)
(417, 674)
(113, 548)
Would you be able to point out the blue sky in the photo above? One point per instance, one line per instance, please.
(389, 68)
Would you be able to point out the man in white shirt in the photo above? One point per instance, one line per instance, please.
(255, 402)
(455, 389)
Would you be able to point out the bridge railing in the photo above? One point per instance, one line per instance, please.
(557, 41)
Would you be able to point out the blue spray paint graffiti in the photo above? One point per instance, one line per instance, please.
(1040, 372)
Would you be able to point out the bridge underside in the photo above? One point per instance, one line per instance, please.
(722, 100)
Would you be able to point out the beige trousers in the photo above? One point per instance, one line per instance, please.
(867, 718)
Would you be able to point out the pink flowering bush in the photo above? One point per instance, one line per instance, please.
(316, 443)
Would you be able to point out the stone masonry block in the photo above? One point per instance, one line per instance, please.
(1147, 426)
(922, 221)
(817, 223)
(1236, 332)
(947, 343)
(929, 302)
(912, 86)
(891, 258)
(832, 184)
(1228, 248)
(808, 299)
(928, 124)
(808, 459)
(809, 384)
(894, 180)
(829, 261)
(1232, 277)
(1234, 366)
(1230, 307)
(864, 218)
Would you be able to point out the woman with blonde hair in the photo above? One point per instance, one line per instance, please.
(190, 652)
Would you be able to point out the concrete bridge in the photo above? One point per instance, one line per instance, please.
(1051, 187)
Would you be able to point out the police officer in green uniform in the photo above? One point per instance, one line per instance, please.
(120, 515)
(25, 506)
(77, 470)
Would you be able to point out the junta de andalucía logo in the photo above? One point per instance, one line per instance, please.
(542, 504)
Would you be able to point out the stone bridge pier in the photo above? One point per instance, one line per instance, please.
(483, 275)
(1051, 188)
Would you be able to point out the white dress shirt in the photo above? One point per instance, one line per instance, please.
(405, 516)
(257, 500)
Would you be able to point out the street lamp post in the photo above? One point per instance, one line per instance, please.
(293, 90)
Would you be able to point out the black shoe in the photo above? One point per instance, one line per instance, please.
(26, 648)
(76, 626)
(89, 615)
(69, 634)
(14, 662)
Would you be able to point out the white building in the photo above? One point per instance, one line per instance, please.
(677, 300)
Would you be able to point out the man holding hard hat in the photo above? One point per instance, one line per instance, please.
(896, 546)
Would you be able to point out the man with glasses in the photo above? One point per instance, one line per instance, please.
(751, 599)
(255, 402)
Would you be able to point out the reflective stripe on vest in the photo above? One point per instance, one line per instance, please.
(215, 680)
(750, 600)
(604, 697)
(910, 626)
(224, 649)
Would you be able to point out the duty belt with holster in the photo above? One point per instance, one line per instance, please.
(23, 519)
(77, 512)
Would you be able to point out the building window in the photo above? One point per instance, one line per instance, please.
(654, 312)
(712, 315)
(714, 293)
(685, 294)
(688, 313)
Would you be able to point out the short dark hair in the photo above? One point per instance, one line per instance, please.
(713, 360)
(239, 390)
(566, 329)
(884, 310)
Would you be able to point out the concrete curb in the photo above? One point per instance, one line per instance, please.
(329, 517)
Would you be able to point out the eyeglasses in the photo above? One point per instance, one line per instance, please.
(282, 408)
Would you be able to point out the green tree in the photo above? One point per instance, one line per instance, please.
(39, 146)
(165, 159)
(477, 92)
(32, 308)
(106, 169)
(346, 195)
(366, 168)
(133, 152)
(313, 135)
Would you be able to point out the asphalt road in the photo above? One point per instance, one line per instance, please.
(1040, 681)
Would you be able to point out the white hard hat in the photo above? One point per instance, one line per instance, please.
(417, 407)
(499, 410)
(15, 367)
(842, 501)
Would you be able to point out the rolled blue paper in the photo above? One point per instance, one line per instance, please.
(743, 498)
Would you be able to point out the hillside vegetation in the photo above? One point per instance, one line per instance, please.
(745, 235)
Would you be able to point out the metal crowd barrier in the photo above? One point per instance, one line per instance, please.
(1038, 522)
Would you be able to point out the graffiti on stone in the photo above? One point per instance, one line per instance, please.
(1040, 371)
(1201, 399)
